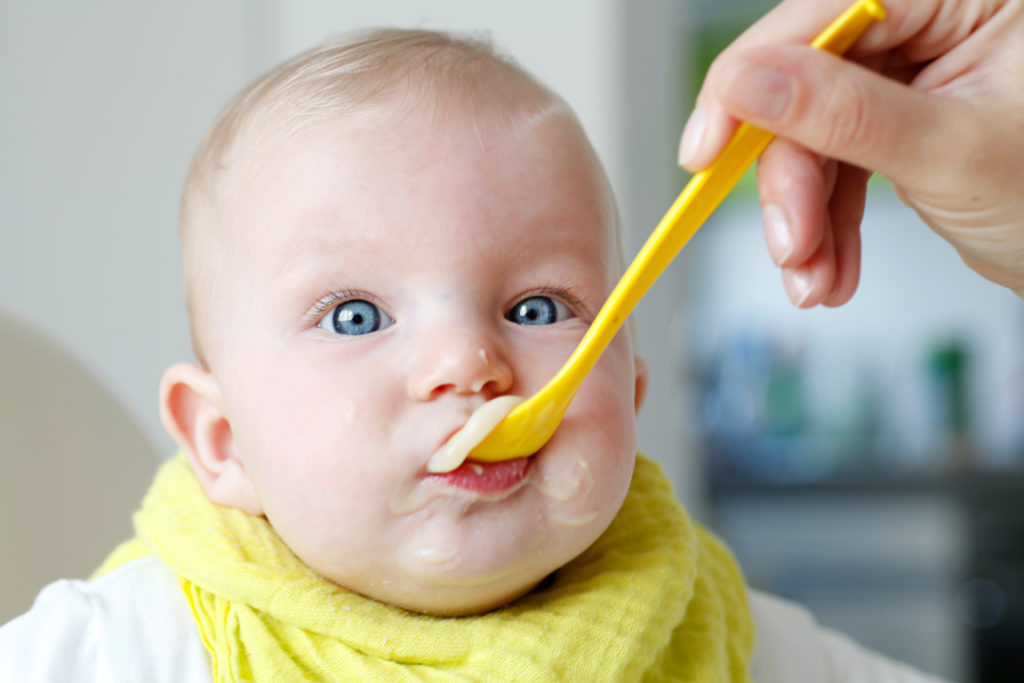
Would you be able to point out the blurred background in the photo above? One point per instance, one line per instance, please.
(865, 461)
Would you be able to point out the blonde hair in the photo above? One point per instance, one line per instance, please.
(355, 74)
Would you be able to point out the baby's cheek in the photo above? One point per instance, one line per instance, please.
(609, 411)
(589, 470)
(607, 438)
(616, 371)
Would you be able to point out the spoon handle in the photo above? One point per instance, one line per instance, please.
(698, 200)
(530, 424)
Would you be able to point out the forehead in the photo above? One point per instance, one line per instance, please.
(419, 170)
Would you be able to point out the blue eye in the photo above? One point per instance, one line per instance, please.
(354, 317)
(538, 310)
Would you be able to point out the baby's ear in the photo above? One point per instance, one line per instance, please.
(640, 389)
(192, 410)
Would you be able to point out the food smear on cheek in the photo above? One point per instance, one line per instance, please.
(568, 484)
(456, 449)
(351, 413)
(571, 486)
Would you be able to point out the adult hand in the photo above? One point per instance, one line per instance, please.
(932, 98)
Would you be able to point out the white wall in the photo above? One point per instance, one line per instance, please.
(573, 45)
(104, 103)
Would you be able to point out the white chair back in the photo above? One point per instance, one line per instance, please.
(73, 466)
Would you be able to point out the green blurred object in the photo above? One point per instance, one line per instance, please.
(948, 365)
(717, 25)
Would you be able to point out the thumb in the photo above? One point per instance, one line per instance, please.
(841, 110)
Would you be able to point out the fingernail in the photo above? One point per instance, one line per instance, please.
(754, 90)
(778, 233)
(693, 131)
(798, 286)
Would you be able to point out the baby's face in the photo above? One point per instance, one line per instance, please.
(382, 287)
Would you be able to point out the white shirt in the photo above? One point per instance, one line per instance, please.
(134, 625)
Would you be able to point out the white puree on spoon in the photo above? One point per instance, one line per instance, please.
(455, 451)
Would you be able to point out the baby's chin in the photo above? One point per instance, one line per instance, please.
(455, 555)
(448, 575)
(567, 504)
(461, 592)
(451, 600)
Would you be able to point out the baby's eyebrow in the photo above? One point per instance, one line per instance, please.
(309, 268)
(317, 247)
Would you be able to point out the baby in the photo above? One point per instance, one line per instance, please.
(378, 239)
(380, 236)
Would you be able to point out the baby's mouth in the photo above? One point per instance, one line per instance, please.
(486, 477)
(454, 451)
(470, 482)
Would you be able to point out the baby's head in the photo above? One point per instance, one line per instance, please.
(380, 236)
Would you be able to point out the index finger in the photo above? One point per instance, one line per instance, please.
(794, 22)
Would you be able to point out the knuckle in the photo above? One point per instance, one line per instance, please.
(849, 126)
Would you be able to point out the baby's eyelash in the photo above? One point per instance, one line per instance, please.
(329, 301)
(577, 306)
(332, 299)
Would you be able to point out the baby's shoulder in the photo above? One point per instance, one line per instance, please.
(132, 624)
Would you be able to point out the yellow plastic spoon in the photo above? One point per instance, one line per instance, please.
(531, 422)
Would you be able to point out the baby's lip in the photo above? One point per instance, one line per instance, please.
(502, 477)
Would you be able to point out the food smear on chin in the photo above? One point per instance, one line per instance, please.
(456, 449)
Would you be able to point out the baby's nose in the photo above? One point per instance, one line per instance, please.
(462, 364)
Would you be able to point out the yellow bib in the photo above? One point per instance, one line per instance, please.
(655, 599)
